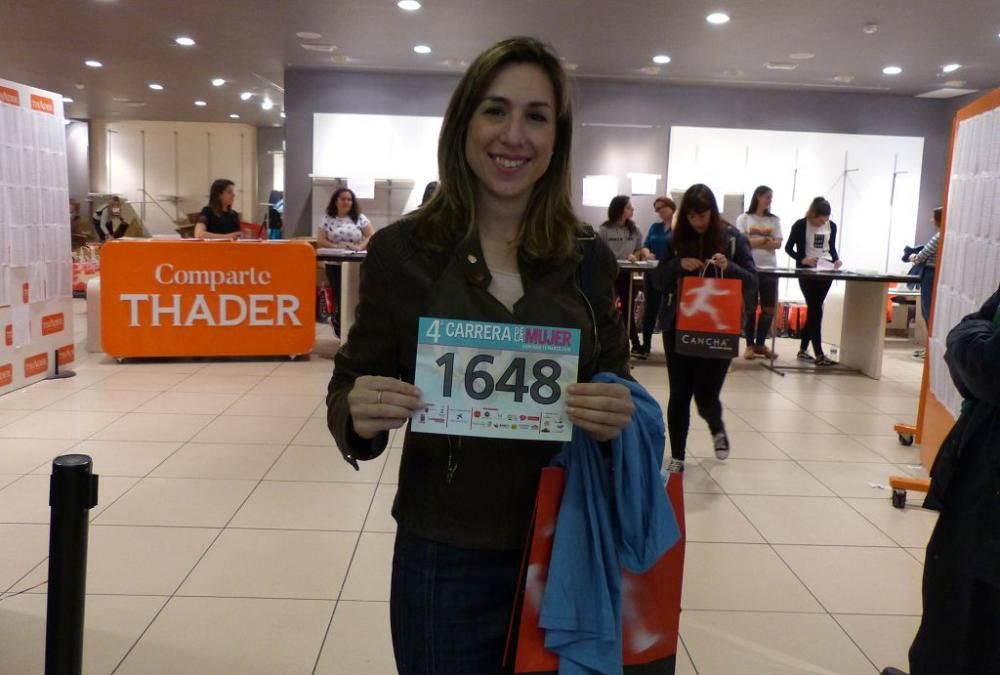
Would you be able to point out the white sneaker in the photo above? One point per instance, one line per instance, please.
(675, 465)
(721, 443)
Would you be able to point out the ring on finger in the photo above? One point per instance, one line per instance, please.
(380, 392)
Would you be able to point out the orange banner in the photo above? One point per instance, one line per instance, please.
(53, 323)
(6, 374)
(10, 96)
(8, 335)
(207, 298)
(66, 354)
(35, 365)
(42, 104)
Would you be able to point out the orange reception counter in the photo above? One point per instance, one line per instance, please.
(162, 298)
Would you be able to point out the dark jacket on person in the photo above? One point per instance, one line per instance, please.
(470, 492)
(796, 249)
(960, 628)
(668, 273)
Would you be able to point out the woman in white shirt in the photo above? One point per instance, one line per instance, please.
(763, 229)
(814, 239)
(343, 226)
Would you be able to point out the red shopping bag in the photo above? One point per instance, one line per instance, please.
(651, 602)
(709, 316)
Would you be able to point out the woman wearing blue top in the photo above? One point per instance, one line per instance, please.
(654, 247)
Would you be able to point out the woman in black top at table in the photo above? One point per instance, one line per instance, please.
(814, 239)
(218, 220)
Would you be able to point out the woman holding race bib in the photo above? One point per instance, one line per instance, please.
(497, 242)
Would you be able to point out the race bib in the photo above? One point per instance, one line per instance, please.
(495, 380)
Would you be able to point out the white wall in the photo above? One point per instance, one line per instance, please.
(77, 153)
(173, 159)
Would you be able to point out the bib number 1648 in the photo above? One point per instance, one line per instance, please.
(480, 383)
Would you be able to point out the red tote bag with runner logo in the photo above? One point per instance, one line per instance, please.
(709, 316)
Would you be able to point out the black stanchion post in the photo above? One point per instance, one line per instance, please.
(72, 493)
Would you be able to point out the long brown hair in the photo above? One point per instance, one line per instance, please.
(333, 211)
(215, 193)
(687, 242)
(550, 227)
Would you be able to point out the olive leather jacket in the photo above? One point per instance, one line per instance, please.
(470, 492)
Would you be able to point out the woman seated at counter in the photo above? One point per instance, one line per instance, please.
(344, 226)
(218, 220)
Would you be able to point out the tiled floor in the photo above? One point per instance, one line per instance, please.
(231, 538)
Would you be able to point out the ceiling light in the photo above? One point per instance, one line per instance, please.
(200, 103)
(408, 5)
(892, 70)
(184, 41)
(781, 65)
(801, 56)
(245, 96)
(661, 58)
(234, 116)
(155, 86)
(650, 70)
(67, 99)
(93, 64)
(717, 18)
(869, 28)
(341, 58)
(218, 82)
(306, 35)
(266, 104)
(136, 104)
(844, 79)
(326, 48)
(422, 49)
(955, 83)
(568, 65)
(282, 114)
(951, 67)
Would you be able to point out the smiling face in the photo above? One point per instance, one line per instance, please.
(511, 136)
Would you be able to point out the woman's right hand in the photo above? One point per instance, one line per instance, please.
(378, 404)
(810, 262)
(691, 264)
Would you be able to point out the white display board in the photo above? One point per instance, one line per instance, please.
(367, 148)
(970, 265)
(36, 312)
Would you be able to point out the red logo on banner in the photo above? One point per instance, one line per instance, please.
(42, 104)
(25, 292)
(33, 365)
(53, 323)
(8, 335)
(66, 354)
(6, 374)
(10, 96)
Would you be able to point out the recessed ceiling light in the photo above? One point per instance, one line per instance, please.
(155, 86)
(67, 99)
(266, 104)
(869, 28)
(951, 67)
(661, 58)
(955, 83)
(801, 56)
(93, 64)
(781, 65)
(184, 41)
(282, 114)
(306, 35)
(422, 49)
(326, 48)
(408, 5)
(892, 70)
(717, 18)
(80, 86)
(218, 82)
(200, 103)
(650, 70)
(246, 95)
(844, 79)
(234, 116)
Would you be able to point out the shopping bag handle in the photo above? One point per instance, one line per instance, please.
(704, 268)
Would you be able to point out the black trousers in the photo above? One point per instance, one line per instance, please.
(621, 291)
(653, 301)
(766, 293)
(815, 292)
(333, 278)
(692, 376)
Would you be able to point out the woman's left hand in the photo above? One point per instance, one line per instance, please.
(602, 410)
(720, 261)
(837, 265)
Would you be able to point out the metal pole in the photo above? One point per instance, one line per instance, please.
(72, 493)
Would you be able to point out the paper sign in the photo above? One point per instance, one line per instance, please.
(824, 265)
(599, 190)
(644, 183)
(362, 186)
(495, 380)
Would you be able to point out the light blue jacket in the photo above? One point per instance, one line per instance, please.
(614, 514)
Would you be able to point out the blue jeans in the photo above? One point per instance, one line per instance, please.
(450, 607)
